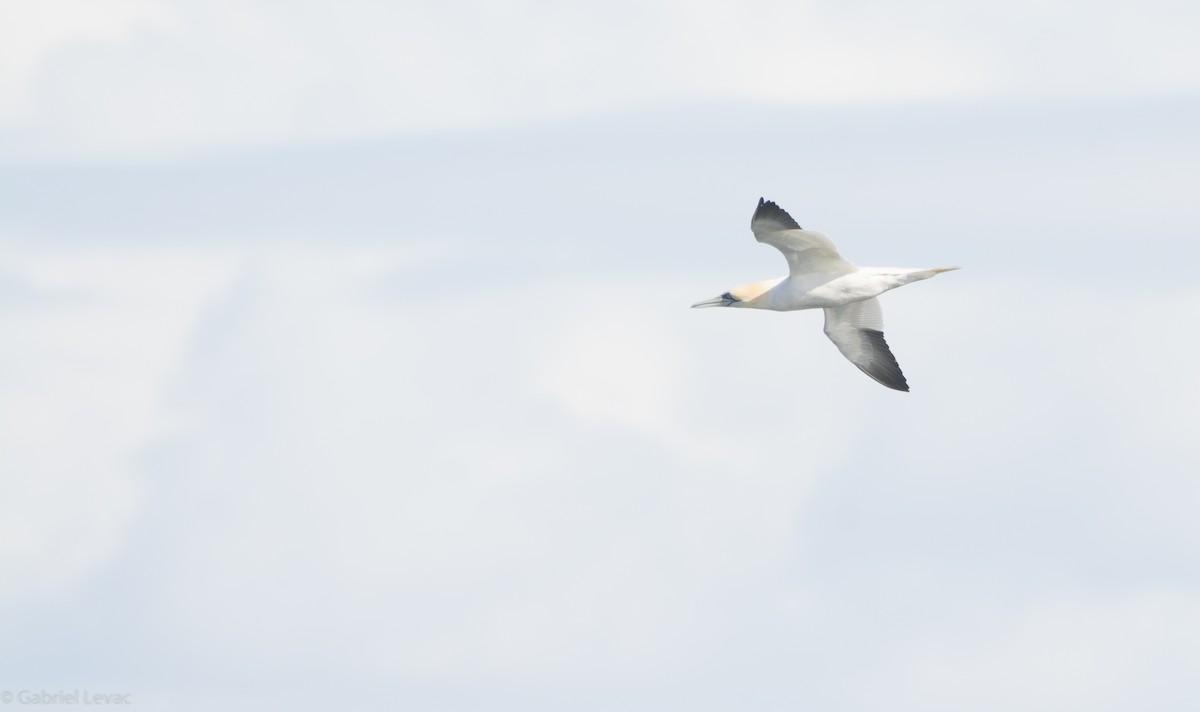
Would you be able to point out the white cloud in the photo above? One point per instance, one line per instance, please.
(476, 485)
(608, 369)
(573, 481)
(89, 346)
(155, 79)
(1056, 366)
(33, 35)
(1135, 651)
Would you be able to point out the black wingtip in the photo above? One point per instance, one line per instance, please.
(884, 368)
(768, 210)
(885, 380)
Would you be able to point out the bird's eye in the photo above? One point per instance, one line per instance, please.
(729, 296)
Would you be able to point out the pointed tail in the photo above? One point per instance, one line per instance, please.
(927, 273)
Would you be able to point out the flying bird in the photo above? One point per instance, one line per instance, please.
(820, 278)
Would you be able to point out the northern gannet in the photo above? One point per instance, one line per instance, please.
(819, 278)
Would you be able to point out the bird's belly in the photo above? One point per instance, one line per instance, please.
(833, 293)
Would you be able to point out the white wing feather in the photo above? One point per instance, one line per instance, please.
(857, 330)
(807, 251)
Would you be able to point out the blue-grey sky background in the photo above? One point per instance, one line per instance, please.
(345, 358)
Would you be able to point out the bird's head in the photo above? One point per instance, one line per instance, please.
(725, 300)
(738, 296)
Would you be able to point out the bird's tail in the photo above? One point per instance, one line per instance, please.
(906, 275)
(927, 273)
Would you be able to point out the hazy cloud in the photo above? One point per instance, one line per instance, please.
(160, 79)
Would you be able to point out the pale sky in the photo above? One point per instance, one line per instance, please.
(347, 359)
(139, 78)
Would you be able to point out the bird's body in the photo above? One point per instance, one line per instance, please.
(823, 290)
(819, 278)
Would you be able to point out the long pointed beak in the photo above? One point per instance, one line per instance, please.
(714, 302)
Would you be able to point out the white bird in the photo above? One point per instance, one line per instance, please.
(819, 278)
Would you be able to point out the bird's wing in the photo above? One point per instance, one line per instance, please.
(807, 251)
(857, 330)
